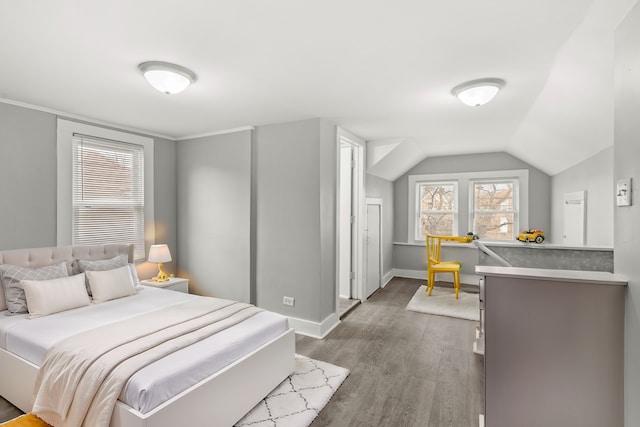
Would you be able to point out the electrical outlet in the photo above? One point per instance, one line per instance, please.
(289, 301)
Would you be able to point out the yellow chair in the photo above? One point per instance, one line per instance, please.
(434, 265)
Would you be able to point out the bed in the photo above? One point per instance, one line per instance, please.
(254, 356)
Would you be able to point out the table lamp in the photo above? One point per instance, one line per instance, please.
(159, 254)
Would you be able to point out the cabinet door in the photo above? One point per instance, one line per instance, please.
(553, 353)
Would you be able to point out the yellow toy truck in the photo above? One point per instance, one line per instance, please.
(531, 236)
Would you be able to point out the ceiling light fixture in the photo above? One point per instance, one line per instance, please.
(166, 77)
(478, 92)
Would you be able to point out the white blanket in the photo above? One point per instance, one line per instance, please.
(81, 377)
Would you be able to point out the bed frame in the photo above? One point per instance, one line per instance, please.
(220, 400)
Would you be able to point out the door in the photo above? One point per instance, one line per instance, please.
(573, 218)
(373, 249)
(350, 217)
(346, 224)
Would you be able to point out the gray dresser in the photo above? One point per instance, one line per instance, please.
(554, 347)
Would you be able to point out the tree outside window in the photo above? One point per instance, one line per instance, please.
(494, 216)
(437, 204)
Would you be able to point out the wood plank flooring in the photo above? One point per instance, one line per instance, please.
(407, 368)
(8, 411)
(346, 305)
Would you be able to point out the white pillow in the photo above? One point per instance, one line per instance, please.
(111, 284)
(11, 276)
(55, 295)
(85, 265)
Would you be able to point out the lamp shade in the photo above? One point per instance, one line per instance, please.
(478, 92)
(159, 253)
(166, 77)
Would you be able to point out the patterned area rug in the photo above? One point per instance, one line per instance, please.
(298, 400)
(443, 303)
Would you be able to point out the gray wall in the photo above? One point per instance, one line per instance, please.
(539, 186)
(27, 178)
(627, 219)
(165, 201)
(28, 183)
(328, 160)
(595, 175)
(214, 214)
(295, 195)
(381, 188)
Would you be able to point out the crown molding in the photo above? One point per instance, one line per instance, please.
(217, 132)
(64, 114)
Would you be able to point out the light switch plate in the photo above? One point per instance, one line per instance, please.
(623, 192)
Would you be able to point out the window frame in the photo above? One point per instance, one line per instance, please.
(515, 181)
(417, 226)
(66, 130)
(464, 195)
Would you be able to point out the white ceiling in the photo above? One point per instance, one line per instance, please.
(382, 70)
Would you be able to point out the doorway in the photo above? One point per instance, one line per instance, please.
(573, 218)
(373, 244)
(346, 225)
(350, 214)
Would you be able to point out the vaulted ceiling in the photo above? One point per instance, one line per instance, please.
(382, 70)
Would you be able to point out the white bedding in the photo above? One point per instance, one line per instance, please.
(156, 383)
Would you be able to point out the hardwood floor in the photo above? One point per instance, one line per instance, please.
(346, 305)
(8, 411)
(407, 368)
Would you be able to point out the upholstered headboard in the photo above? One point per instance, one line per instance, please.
(40, 257)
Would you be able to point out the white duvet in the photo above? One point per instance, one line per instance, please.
(159, 381)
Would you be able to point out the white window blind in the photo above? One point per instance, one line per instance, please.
(108, 193)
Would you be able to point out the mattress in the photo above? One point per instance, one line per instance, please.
(161, 380)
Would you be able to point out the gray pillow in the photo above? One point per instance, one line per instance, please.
(11, 276)
(101, 265)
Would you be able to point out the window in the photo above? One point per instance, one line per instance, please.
(108, 192)
(105, 187)
(493, 211)
(494, 204)
(437, 202)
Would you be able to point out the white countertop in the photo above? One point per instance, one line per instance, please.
(543, 245)
(511, 243)
(593, 277)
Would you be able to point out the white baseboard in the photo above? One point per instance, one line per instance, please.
(315, 329)
(467, 279)
(410, 274)
(387, 278)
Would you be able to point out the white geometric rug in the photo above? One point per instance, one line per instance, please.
(442, 302)
(298, 400)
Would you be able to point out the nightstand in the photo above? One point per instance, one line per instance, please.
(173, 284)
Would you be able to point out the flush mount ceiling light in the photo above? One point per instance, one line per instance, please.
(478, 92)
(166, 77)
